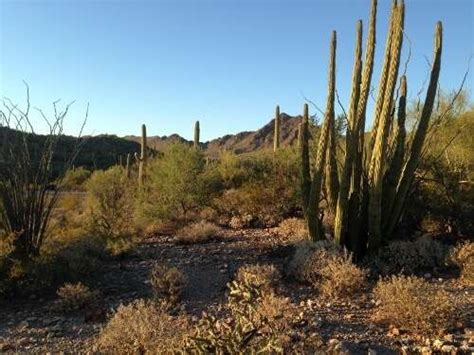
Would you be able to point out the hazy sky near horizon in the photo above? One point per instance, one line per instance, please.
(225, 62)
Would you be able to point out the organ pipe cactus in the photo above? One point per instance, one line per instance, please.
(375, 177)
(312, 210)
(304, 153)
(276, 137)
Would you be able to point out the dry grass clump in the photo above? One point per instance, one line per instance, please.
(327, 268)
(199, 232)
(293, 228)
(414, 304)
(463, 257)
(409, 257)
(142, 328)
(260, 275)
(73, 297)
(167, 283)
(341, 277)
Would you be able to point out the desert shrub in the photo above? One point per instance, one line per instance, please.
(409, 257)
(260, 322)
(72, 297)
(266, 190)
(463, 257)
(414, 304)
(167, 284)
(293, 228)
(110, 207)
(327, 268)
(74, 179)
(142, 328)
(198, 232)
(260, 275)
(179, 184)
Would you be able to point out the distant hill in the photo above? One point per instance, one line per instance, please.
(103, 151)
(242, 142)
(97, 152)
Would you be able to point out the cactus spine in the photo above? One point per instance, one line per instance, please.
(312, 211)
(142, 160)
(276, 137)
(196, 134)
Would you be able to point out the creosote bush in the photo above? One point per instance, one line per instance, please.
(327, 268)
(72, 297)
(143, 327)
(293, 228)
(167, 284)
(110, 207)
(463, 257)
(198, 232)
(414, 304)
(409, 257)
(179, 184)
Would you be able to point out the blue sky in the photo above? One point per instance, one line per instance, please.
(225, 62)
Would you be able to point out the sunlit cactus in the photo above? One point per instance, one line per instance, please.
(276, 137)
(197, 133)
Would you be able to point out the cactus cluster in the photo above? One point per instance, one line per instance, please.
(366, 193)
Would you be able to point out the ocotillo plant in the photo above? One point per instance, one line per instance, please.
(276, 134)
(196, 134)
(142, 159)
(370, 195)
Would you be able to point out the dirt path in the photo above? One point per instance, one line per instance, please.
(32, 326)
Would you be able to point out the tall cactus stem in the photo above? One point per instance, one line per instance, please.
(312, 212)
(197, 132)
(276, 134)
(420, 134)
(377, 166)
(142, 160)
(304, 154)
(351, 142)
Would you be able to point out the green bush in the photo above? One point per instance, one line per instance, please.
(263, 187)
(179, 184)
(74, 179)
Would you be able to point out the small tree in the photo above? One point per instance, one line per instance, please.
(178, 183)
(27, 171)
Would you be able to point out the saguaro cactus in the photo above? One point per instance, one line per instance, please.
(142, 159)
(276, 134)
(196, 134)
(127, 166)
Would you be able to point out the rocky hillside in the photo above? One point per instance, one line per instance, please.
(242, 142)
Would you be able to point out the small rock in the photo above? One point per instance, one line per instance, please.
(450, 349)
(438, 344)
(427, 276)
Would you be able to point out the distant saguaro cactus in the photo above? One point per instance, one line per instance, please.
(276, 137)
(127, 166)
(196, 134)
(142, 159)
